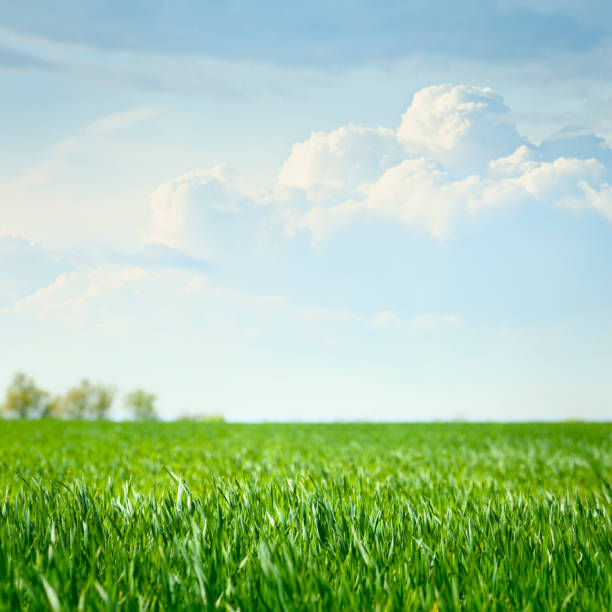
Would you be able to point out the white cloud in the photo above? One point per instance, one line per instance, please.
(385, 319)
(455, 153)
(600, 199)
(202, 213)
(336, 165)
(460, 126)
(200, 287)
(460, 155)
(111, 293)
(322, 221)
(417, 190)
(522, 160)
(25, 266)
(72, 292)
(420, 323)
(428, 322)
(121, 120)
(420, 192)
(556, 183)
(57, 159)
(275, 306)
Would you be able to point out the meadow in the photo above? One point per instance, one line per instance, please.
(215, 516)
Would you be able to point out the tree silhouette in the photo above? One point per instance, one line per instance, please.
(25, 400)
(141, 404)
(88, 401)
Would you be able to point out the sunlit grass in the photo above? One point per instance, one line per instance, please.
(272, 517)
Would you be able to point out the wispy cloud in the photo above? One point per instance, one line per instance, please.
(57, 159)
(121, 120)
(17, 59)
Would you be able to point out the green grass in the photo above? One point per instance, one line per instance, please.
(312, 517)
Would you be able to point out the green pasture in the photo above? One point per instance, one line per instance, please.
(214, 516)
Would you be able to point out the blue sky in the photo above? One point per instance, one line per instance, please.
(321, 211)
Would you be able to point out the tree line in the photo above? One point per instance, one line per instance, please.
(86, 400)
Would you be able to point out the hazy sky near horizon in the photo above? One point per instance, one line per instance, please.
(314, 211)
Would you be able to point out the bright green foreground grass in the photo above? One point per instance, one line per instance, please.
(272, 517)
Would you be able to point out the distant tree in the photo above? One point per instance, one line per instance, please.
(75, 402)
(87, 401)
(142, 405)
(53, 408)
(24, 399)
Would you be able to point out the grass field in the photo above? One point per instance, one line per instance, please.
(312, 517)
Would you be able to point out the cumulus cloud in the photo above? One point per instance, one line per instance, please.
(600, 199)
(559, 183)
(202, 213)
(418, 190)
(459, 154)
(338, 164)
(455, 153)
(460, 126)
(578, 142)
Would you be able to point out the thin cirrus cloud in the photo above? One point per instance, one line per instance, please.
(123, 119)
(73, 291)
(24, 267)
(454, 154)
(58, 158)
(347, 33)
(86, 297)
